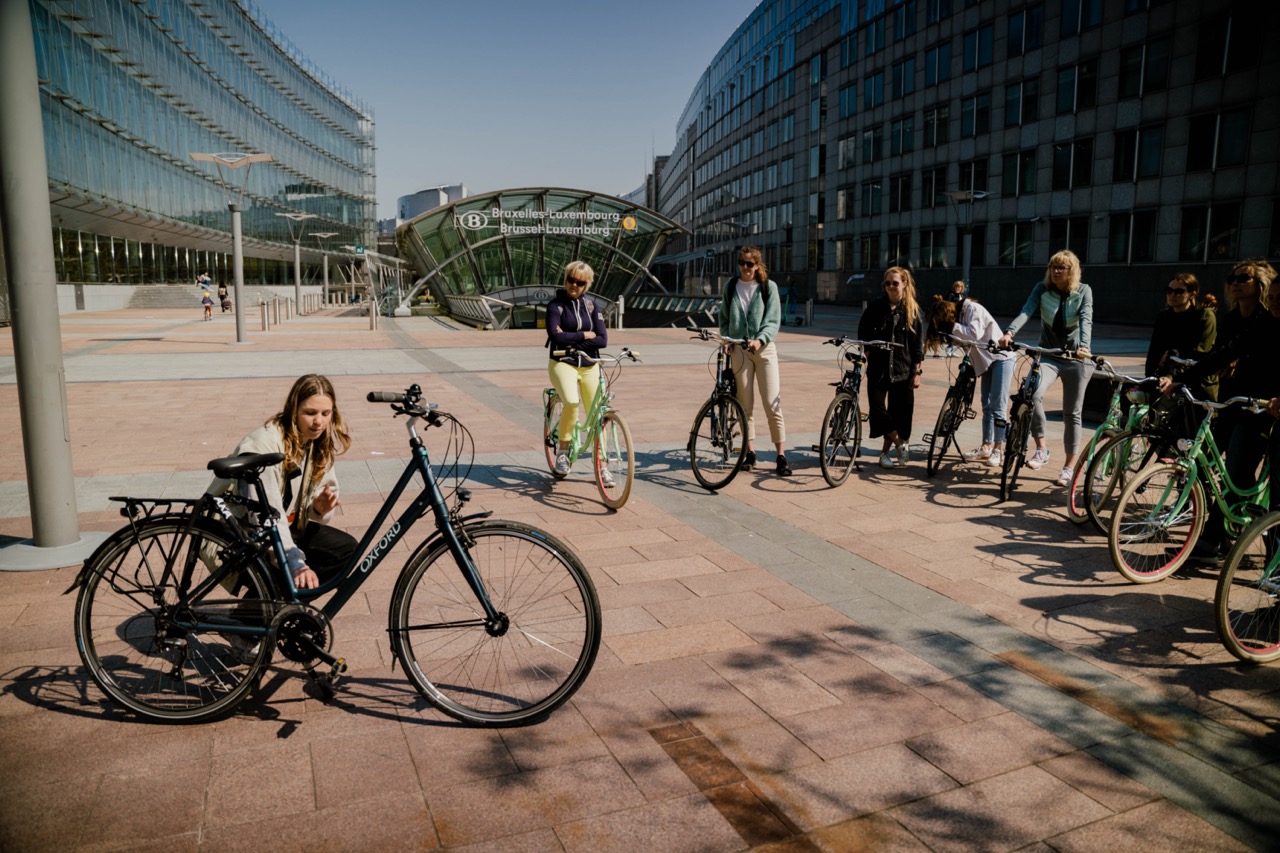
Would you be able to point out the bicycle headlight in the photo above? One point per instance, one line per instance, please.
(1184, 444)
(1137, 396)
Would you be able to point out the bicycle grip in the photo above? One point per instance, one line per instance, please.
(386, 397)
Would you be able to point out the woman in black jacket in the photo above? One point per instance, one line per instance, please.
(894, 375)
(1184, 329)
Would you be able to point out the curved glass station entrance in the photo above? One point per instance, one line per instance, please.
(497, 258)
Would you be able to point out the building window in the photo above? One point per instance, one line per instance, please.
(977, 48)
(875, 36)
(847, 153)
(844, 202)
(902, 136)
(937, 63)
(1216, 140)
(933, 183)
(816, 158)
(904, 77)
(975, 115)
(872, 195)
(1016, 240)
(849, 51)
(1144, 68)
(900, 249)
(936, 10)
(1080, 15)
(873, 91)
(973, 175)
(1139, 153)
(848, 101)
(870, 249)
(1078, 87)
(1231, 42)
(1022, 102)
(937, 126)
(872, 145)
(787, 128)
(786, 172)
(817, 114)
(1026, 30)
(900, 193)
(817, 209)
(1071, 232)
(1132, 238)
(904, 20)
(1018, 175)
(1073, 164)
(1209, 233)
(933, 248)
(978, 246)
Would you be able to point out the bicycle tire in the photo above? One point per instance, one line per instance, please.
(551, 432)
(717, 442)
(1015, 449)
(513, 675)
(950, 416)
(615, 454)
(840, 438)
(129, 615)
(1113, 466)
(1076, 511)
(1247, 601)
(1148, 541)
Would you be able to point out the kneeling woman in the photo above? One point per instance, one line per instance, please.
(969, 320)
(310, 432)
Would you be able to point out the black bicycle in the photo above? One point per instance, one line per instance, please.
(1021, 408)
(717, 441)
(840, 440)
(957, 407)
(179, 613)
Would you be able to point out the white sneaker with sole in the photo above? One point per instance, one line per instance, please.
(1038, 458)
(979, 454)
(996, 459)
(904, 455)
(887, 461)
(1064, 478)
(562, 464)
(606, 477)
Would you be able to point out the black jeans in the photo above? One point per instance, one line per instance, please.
(327, 548)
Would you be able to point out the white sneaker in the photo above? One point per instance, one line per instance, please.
(1064, 478)
(1038, 458)
(562, 464)
(996, 459)
(606, 477)
(979, 454)
(887, 461)
(904, 455)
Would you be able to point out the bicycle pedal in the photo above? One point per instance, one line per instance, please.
(970, 414)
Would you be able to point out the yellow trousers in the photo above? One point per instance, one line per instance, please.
(576, 387)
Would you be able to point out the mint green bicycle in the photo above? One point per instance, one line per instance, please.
(604, 431)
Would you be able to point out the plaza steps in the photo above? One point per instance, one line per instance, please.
(184, 296)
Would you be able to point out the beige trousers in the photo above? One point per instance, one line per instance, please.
(760, 368)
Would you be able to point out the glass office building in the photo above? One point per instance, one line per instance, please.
(130, 88)
(845, 136)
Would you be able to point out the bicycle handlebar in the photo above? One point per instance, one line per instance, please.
(717, 338)
(1252, 404)
(843, 341)
(406, 402)
(625, 352)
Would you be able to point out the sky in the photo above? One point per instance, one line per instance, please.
(498, 94)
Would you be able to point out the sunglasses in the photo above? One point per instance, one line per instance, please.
(748, 264)
(573, 282)
(1059, 268)
(1239, 279)
(895, 284)
(1178, 291)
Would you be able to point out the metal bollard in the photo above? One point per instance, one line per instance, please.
(373, 316)
(288, 309)
(275, 310)
(266, 323)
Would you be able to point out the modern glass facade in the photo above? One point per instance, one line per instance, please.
(1139, 133)
(129, 88)
(502, 241)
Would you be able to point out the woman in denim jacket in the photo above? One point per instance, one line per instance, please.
(1064, 305)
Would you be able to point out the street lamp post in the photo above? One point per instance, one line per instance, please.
(301, 219)
(321, 236)
(966, 228)
(235, 161)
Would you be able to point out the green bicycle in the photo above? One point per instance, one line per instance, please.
(1162, 511)
(1247, 602)
(604, 431)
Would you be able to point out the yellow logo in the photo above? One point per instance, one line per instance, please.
(629, 223)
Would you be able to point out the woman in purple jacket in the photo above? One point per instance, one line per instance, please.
(574, 321)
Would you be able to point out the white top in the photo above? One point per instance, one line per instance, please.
(746, 290)
(975, 323)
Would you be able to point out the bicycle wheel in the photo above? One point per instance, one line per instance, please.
(1113, 466)
(1076, 512)
(1247, 603)
(840, 439)
(1158, 519)
(615, 460)
(551, 432)
(506, 674)
(1015, 449)
(950, 416)
(149, 637)
(717, 442)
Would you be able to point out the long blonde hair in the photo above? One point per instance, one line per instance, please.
(909, 303)
(1067, 257)
(327, 447)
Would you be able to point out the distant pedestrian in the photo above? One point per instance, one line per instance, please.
(224, 298)
(203, 281)
(957, 294)
(207, 301)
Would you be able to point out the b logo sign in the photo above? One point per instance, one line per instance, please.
(474, 220)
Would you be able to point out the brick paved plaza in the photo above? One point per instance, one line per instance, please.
(901, 663)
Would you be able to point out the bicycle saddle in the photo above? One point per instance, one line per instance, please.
(237, 467)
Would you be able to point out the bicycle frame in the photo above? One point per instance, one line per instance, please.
(584, 431)
(1202, 460)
